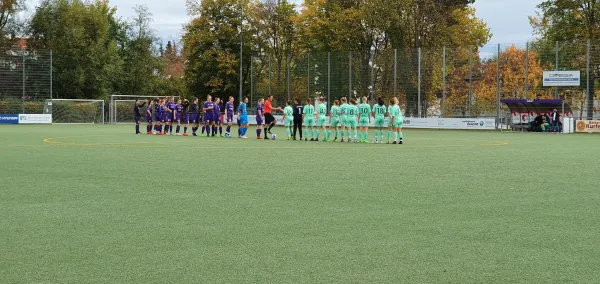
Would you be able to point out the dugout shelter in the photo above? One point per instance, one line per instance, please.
(524, 111)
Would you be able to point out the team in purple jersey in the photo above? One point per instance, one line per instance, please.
(209, 115)
(260, 115)
(218, 120)
(229, 110)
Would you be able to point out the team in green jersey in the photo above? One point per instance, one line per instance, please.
(288, 120)
(321, 119)
(352, 119)
(308, 114)
(364, 111)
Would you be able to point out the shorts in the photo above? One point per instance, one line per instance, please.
(379, 121)
(259, 120)
(178, 119)
(169, 117)
(149, 119)
(364, 122)
(344, 120)
(399, 123)
(322, 121)
(269, 118)
(309, 121)
(288, 122)
(163, 118)
(243, 119)
(335, 122)
(351, 123)
(157, 117)
(208, 117)
(229, 119)
(136, 119)
(219, 119)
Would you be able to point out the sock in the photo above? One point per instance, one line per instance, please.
(318, 133)
(342, 134)
(381, 136)
(355, 132)
(258, 131)
(389, 134)
(203, 128)
(349, 133)
(366, 136)
(214, 130)
(171, 129)
(228, 129)
(184, 129)
(306, 133)
(137, 128)
(265, 134)
(312, 133)
(160, 129)
(401, 136)
(220, 130)
(376, 134)
(178, 128)
(395, 136)
(239, 131)
(336, 133)
(271, 125)
(148, 128)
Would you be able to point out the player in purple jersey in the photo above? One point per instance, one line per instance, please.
(172, 114)
(178, 115)
(209, 113)
(260, 115)
(163, 117)
(149, 117)
(229, 110)
(218, 120)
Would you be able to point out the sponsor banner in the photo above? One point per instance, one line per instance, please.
(35, 118)
(562, 78)
(450, 123)
(9, 118)
(588, 126)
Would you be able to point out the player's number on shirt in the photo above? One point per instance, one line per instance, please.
(364, 111)
(380, 111)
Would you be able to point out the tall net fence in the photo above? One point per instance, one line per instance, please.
(25, 81)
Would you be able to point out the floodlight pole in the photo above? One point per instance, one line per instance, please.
(241, 51)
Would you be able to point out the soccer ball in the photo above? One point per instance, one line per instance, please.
(273, 136)
(227, 135)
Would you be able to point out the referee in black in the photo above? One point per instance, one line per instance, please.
(137, 115)
(298, 108)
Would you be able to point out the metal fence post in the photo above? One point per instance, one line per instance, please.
(372, 90)
(443, 80)
(395, 72)
(498, 89)
(23, 95)
(419, 84)
(349, 75)
(527, 71)
(251, 79)
(556, 69)
(470, 98)
(270, 76)
(289, 60)
(51, 74)
(329, 78)
(590, 96)
(308, 87)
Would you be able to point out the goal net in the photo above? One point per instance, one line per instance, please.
(75, 111)
(121, 108)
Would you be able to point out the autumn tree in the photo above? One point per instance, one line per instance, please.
(9, 23)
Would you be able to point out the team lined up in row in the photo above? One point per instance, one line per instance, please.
(351, 119)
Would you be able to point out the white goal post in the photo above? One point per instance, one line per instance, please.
(75, 111)
(120, 110)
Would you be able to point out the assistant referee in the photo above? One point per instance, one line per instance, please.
(270, 120)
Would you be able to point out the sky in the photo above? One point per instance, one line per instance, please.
(507, 19)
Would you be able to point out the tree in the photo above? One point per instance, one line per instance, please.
(86, 62)
(9, 24)
(572, 22)
(212, 48)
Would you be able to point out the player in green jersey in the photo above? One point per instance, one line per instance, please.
(288, 120)
(344, 116)
(321, 119)
(397, 122)
(379, 115)
(390, 125)
(364, 111)
(309, 120)
(351, 121)
(334, 120)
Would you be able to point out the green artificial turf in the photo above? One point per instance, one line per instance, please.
(97, 204)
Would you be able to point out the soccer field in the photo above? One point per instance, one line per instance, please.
(97, 204)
